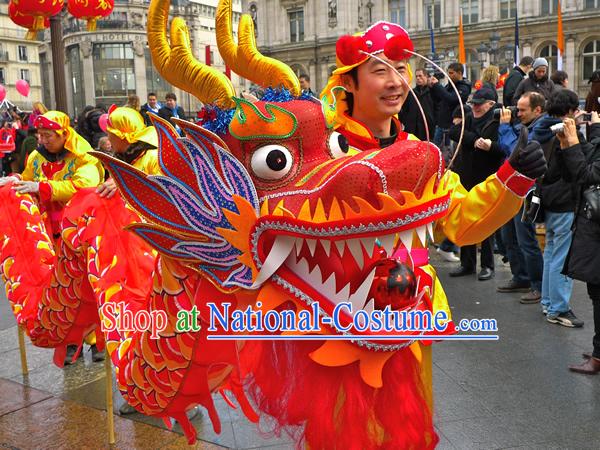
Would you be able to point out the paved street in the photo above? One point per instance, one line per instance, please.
(511, 393)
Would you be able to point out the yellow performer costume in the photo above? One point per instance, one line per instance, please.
(472, 215)
(138, 142)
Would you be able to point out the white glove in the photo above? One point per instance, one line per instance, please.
(6, 180)
(27, 187)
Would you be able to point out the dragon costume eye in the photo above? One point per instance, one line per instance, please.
(338, 145)
(271, 162)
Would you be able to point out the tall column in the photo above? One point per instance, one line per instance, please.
(58, 62)
(570, 60)
(87, 62)
(139, 68)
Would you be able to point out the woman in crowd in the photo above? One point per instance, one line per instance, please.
(582, 161)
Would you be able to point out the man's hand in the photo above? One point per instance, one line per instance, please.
(483, 144)
(6, 180)
(433, 80)
(595, 117)
(457, 121)
(505, 115)
(107, 189)
(568, 137)
(26, 187)
(528, 158)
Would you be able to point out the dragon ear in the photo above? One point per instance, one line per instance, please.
(142, 193)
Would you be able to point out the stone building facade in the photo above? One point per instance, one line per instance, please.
(303, 32)
(107, 65)
(19, 59)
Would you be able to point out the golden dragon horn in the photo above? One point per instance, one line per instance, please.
(244, 58)
(176, 63)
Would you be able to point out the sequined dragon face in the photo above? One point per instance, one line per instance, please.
(280, 208)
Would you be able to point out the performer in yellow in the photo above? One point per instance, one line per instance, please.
(132, 142)
(364, 95)
(55, 171)
(58, 168)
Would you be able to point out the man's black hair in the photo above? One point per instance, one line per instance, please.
(562, 102)
(305, 76)
(171, 96)
(151, 94)
(535, 99)
(457, 67)
(350, 97)
(526, 61)
(559, 76)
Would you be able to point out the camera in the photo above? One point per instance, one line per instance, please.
(586, 117)
(512, 109)
(557, 128)
(439, 75)
(531, 207)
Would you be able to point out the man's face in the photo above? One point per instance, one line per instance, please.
(171, 103)
(152, 101)
(380, 92)
(480, 109)
(540, 72)
(420, 78)
(304, 84)
(51, 140)
(524, 112)
(117, 144)
(454, 76)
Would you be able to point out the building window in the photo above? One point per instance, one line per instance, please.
(549, 7)
(470, 11)
(591, 58)
(154, 81)
(114, 75)
(296, 18)
(2, 77)
(550, 52)
(589, 4)
(473, 65)
(24, 75)
(22, 52)
(398, 12)
(433, 13)
(508, 9)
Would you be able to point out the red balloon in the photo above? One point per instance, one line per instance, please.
(103, 122)
(22, 87)
(2, 93)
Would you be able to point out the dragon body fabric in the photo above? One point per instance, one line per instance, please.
(267, 210)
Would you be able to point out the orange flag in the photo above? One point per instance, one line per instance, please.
(560, 39)
(462, 57)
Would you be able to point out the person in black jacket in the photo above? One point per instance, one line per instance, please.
(516, 75)
(479, 157)
(558, 195)
(172, 110)
(582, 162)
(410, 114)
(448, 101)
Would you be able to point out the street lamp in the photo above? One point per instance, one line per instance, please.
(482, 52)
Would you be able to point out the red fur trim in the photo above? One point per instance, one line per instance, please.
(297, 392)
(348, 49)
(514, 181)
(395, 47)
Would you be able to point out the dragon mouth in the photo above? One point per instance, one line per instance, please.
(337, 261)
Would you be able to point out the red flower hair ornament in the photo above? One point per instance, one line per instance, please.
(386, 37)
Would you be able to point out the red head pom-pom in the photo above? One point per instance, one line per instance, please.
(396, 45)
(348, 49)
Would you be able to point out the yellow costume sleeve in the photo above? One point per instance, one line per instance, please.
(27, 174)
(86, 175)
(474, 215)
